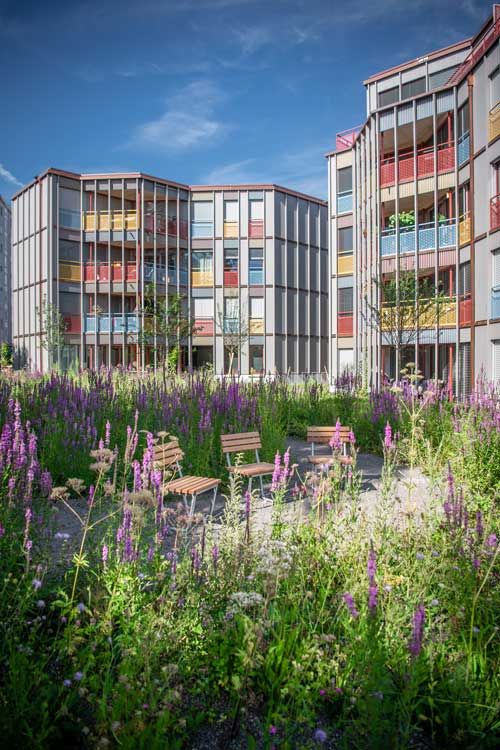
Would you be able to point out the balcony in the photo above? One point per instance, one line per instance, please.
(202, 230)
(231, 230)
(72, 323)
(464, 227)
(344, 202)
(256, 229)
(256, 326)
(465, 310)
(172, 277)
(128, 323)
(346, 138)
(345, 265)
(425, 164)
(105, 221)
(494, 122)
(231, 326)
(103, 272)
(202, 278)
(230, 278)
(446, 237)
(70, 218)
(203, 327)
(495, 213)
(463, 149)
(495, 302)
(443, 313)
(345, 324)
(149, 273)
(70, 271)
(256, 277)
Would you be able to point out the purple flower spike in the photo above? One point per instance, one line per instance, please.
(418, 631)
(349, 602)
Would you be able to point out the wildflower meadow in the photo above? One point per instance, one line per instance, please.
(331, 612)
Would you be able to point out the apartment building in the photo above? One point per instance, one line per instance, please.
(5, 291)
(414, 205)
(249, 262)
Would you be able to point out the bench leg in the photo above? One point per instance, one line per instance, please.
(213, 501)
(185, 500)
(193, 503)
(249, 484)
(261, 486)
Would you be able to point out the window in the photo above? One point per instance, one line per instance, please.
(388, 97)
(257, 308)
(463, 119)
(256, 210)
(496, 268)
(345, 241)
(231, 211)
(346, 300)
(464, 278)
(344, 180)
(495, 88)
(231, 308)
(202, 261)
(496, 178)
(256, 359)
(346, 361)
(256, 266)
(463, 199)
(496, 360)
(231, 365)
(231, 259)
(412, 88)
(203, 307)
(202, 211)
(438, 79)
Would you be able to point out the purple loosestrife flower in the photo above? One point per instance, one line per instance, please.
(372, 588)
(2, 530)
(479, 526)
(415, 646)
(215, 556)
(108, 434)
(320, 735)
(388, 443)
(349, 602)
(336, 442)
(104, 553)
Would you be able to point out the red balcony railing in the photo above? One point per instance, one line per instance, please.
(230, 278)
(204, 327)
(345, 140)
(163, 225)
(479, 50)
(425, 164)
(256, 229)
(345, 324)
(105, 272)
(72, 323)
(495, 212)
(465, 310)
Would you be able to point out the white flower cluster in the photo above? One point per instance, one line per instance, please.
(246, 599)
(275, 557)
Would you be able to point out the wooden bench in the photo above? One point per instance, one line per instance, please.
(242, 442)
(323, 436)
(169, 455)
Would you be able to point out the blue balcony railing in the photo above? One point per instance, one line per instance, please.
(149, 273)
(495, 301)
(256, 276)
(202, 229)
(70, 218)
(128, 323)
(344, 202)
(172, 276)
(447, 233)
(463, 148)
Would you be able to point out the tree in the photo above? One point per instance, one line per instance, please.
(407, 305)
(235, 331)
(5, 355)
(53, 328)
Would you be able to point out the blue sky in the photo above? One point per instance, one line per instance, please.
(201, 91)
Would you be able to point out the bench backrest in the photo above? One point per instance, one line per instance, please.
(240, 442)
(167, 454)
(325, 434)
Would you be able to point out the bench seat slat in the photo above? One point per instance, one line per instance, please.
(253, 470)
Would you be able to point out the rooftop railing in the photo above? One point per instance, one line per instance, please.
(346, 138)
(495, 212)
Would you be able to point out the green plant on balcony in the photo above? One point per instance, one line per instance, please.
(406, 219)
(5, 355)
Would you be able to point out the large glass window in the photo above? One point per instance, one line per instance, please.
(256, 359)
(388, 97)
(231, 308)
(413, 88)
(256, 210)
(257, 308)
(345, 241)
(202, 210)
(231, 211)
(344, 180)
(346, 300)
(495, 88)
(256, 266)
(438, 79)
(463, 119)
(202, 260)
(203, 307)
(464, 278)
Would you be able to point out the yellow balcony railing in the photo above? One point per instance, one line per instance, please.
(444, 312)
(494, 122)
(345, 265)
(202, 278)
(256, 326)
(106, 220)
(89, 221)
(230, 230)
(464, 229)
(69, 271)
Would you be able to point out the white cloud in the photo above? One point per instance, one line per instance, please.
(236, 172)
(188, 121)
(9, 177)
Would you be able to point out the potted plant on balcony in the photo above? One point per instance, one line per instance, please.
(406, 220)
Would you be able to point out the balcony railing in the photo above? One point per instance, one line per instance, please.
(344, 202)
(203, 327)
(465, 310)
(149, 273)
(345, 324)
(256, 326)
(163, 224)
(105, 221)
(231, 278)
(346, 138)
(425, 164)
(464, 227)
(128, 323)
(232, 326)
(463, 148)
(443, 312)
(202, 278)
(104, 271)
(495, 212)
(483, 45)
(202, 229)
(495, 302)
(70, 218)
(172, 277)
(256, 277)
(446, 232)
(494, 122)
(230, 230)
(70, 271)
(72, 323)
(256, 229)
(345, 265)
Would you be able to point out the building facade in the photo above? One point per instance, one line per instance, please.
(249, 264)
(414, 214)
(5, 289)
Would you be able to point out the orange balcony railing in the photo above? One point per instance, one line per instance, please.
(464, 227)
(231, 278)
(106, 273)
(70, 271)
(425, 164)
(345, 265)
(256, 229)
(495, 212)
(204, 327)
(202, 278)
(256, 326)
(230, 230)
(465, 310)
(72, 323)
(345, 324)
(105, 220)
